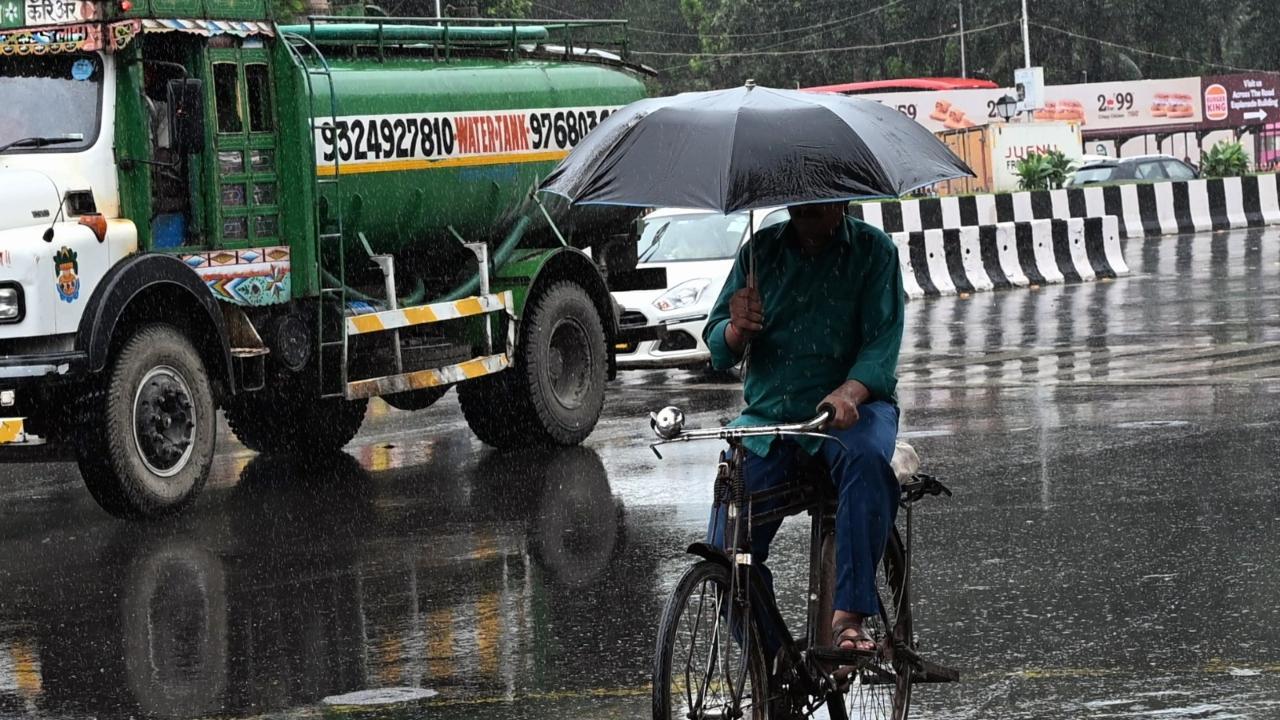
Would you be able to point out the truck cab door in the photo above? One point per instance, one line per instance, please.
(244, 209)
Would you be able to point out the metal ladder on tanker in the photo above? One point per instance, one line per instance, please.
(333, 288)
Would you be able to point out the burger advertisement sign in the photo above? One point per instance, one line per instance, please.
(1125, 104)
(1239, 100)
(1216, 106)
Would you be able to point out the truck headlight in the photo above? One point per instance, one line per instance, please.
(683, 295)
(12, 308)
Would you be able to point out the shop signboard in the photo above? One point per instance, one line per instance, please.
(1239, 100)
(41, 13)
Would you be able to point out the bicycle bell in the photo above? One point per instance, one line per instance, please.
(668, 422)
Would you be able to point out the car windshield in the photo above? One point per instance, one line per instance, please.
(1095, 174)
(50, 96)
(708, 236)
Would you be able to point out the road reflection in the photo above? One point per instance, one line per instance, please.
(316, 579)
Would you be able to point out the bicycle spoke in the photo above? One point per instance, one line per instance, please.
(712, 674)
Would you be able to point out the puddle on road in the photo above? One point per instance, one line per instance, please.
(1153, 424)
(381, 696)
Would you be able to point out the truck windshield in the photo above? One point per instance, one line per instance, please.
(50, 96)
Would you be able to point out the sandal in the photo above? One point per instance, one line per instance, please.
(850, 635)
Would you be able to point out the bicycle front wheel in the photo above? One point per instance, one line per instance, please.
(709, 662)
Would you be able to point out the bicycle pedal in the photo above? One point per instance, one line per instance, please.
(842, 656)
(934, 673)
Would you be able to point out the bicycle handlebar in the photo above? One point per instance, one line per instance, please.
(668, 424)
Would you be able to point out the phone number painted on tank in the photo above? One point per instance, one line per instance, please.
(401, 142)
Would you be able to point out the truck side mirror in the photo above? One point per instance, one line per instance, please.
(186, 115)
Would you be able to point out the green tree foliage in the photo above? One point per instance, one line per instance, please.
(1226, 159)
(1243, 33)
(698, 44)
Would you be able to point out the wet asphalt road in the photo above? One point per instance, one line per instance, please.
(1111, 550)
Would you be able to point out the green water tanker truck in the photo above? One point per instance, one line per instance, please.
(201, 208)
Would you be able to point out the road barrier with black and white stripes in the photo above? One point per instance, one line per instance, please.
(1009, 254)
(1143, 209)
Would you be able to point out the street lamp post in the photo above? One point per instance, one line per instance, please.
(963, 71)
(1007, 107)
(1026, 42)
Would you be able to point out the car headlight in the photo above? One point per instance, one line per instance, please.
(685, 294)
(11, 305)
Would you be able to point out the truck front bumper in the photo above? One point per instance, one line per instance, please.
(20, 369)
(21, 379)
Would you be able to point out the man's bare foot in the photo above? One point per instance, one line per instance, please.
(848, 633)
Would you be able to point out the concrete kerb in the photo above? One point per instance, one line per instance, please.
(1145, 209)
(1010, 254)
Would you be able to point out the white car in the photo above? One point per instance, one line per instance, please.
(697, 249)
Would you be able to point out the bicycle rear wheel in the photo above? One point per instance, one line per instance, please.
(880, 687)
(701, 671)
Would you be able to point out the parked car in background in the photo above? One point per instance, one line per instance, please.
(1140, 168)
(697, 249)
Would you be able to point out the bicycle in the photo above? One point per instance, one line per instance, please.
(726, 675)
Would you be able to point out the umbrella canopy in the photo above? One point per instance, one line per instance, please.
(751, 147)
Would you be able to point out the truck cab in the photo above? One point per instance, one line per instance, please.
(203, 209)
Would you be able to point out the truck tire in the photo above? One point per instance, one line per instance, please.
(147, 443)
(554, 393)
(564, 360)
(289, 419)
(496, 410)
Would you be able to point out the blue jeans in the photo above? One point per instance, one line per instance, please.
(867, 493)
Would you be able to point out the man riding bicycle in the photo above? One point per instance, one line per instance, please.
(821, 323)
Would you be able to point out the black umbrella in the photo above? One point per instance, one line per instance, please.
(751, 147)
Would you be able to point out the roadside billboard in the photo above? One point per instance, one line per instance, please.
(1125, 104)
(1239, 100)
(1094, 106)
(941, 110)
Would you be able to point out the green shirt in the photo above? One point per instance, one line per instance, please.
(828, 318)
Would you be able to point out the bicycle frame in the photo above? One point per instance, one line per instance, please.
(803, 659)
(803, 669)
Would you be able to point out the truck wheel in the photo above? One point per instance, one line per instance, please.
(148, 443)
(564, 361)
(496, 410)
(554, 393)
(290, 420)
